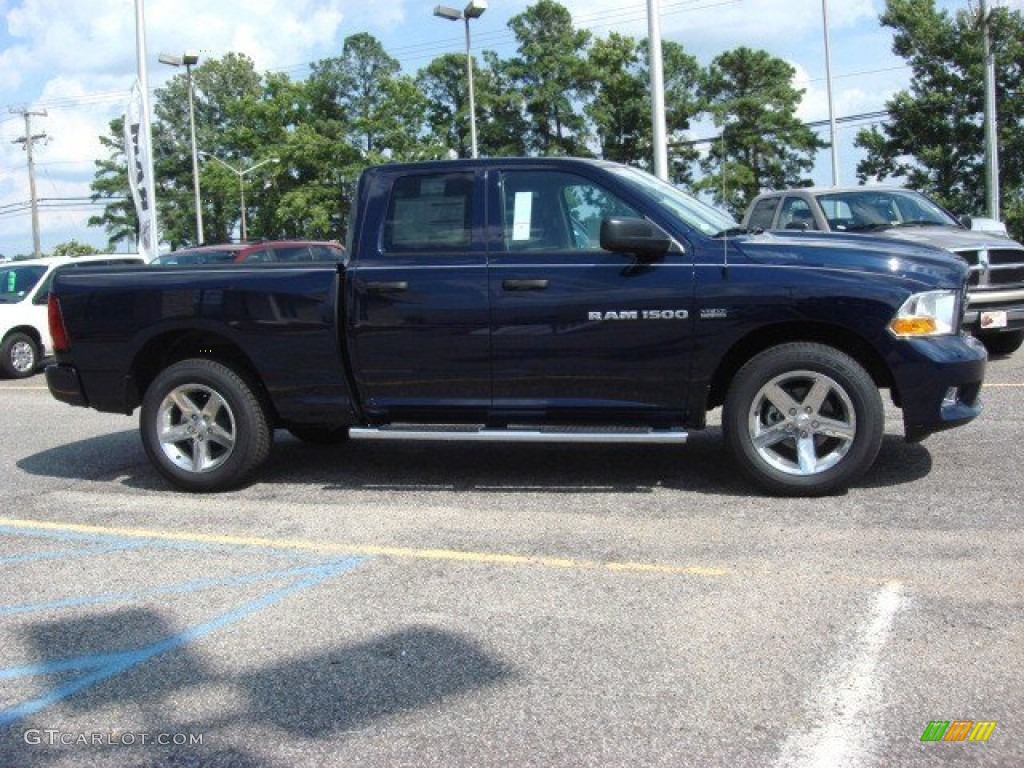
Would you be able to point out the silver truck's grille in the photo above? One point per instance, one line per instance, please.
(995, 266)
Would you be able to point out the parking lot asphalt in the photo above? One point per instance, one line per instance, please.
(441, 604)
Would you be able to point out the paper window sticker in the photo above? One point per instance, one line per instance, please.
(521, 216)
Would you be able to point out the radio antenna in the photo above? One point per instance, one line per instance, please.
(725, 199)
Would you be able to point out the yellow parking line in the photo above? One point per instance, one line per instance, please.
(990, 384)
(366, 549)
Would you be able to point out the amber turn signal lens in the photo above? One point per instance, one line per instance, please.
(913, 326)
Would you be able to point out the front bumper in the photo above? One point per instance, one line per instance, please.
(994, 311)
(65, 384)
(938, 382)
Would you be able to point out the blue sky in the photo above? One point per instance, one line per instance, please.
(76, 60)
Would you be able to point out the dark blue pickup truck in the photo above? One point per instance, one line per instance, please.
(531, 300)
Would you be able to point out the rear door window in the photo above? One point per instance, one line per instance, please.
(430, 213)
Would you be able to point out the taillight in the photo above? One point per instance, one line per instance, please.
(58, 332)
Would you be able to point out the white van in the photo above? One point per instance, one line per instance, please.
(24, 289)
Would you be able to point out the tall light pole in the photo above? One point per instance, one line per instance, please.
(657, 90)
(828, 89)
(991, 131)
(241, 174)
(473, 10)
(189, 59)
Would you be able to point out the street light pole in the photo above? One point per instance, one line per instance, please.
(828, 89)
(473, 10)
(241, 185)
(472, 101)
(659, 131)
(991, 131)
(188, 60)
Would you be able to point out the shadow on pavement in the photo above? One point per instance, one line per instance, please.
(337, 689)
(702, 465)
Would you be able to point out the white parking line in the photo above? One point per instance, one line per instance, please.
(844, 737)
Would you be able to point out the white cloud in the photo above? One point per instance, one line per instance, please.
(716, 25)
(77, 60)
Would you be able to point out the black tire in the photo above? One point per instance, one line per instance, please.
(222, 425)
(318, 435)
(1001, 344)
(788, 449)
(19, 356)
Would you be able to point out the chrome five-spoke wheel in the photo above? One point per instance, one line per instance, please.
(803, 419)
(196, 428)
(802, 423)
(204, 426)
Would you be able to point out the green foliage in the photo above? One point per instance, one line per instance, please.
(563, 93)
(73, 248)
(763, 145)
(620, 105)
(551, 77)
(935, 136)
(119, 218)
(502, 123)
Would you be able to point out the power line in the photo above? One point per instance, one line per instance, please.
(882, 114)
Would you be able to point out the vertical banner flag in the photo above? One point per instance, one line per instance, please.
(137, 151)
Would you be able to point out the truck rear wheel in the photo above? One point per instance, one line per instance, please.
(203, 426)
(803, 419)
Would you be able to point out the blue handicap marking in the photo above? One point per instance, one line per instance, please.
(95, 668)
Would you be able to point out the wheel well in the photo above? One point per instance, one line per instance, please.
(169, 348)
(763, 338)
(29, 331)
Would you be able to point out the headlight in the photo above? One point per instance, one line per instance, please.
(926, 314)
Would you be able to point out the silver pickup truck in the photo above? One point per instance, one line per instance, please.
(995, 312)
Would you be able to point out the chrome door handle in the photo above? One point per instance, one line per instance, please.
(524, 285)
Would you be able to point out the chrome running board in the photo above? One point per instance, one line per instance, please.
(522, 435)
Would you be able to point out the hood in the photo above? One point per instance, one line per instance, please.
(951, 238)
(924, 264)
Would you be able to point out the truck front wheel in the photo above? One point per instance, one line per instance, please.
(203, 426)
(803, 419)
(1004, 343)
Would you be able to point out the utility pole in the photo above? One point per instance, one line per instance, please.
(991, 131)
(28, 140)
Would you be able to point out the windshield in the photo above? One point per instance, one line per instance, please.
(874, 209)
(16, 282)
(694, 213)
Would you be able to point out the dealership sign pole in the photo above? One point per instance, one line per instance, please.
(139, 145)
